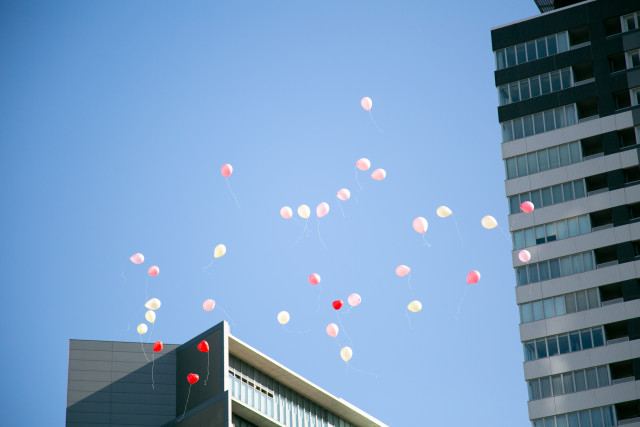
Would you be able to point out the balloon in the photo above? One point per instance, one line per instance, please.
(524, 255)
(283, 317)
(193, 378)
(154, 271)
(527, 207)
(322, 209)
(343, 194)
(142, 329)
(314, 279)
(379, 174)
(219, 251)
(203, 346)
(366, 103)
(346, 353)
(153, 304)
(208, 304)
(150, 315)
(337, 304)
(414, 306)
(473, 277)
(158, 346)
(286, 212)
(489, 222)
(443, 211)
(304, 211)
(363, 164)
(226, 170)
(354, 300)
(137, 258)
(332, 330)
(420, 224)
(402, 270)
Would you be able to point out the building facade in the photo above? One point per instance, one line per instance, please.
(117, 384)
(568, 85)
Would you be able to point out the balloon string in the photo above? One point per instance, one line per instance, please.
(427, 244)
(227, 314)
(205, 380)
(153, 325)
(146, 289)
(340, 204)
(458, 230)
(357, 180)
(374, 122)
(123, 277)
(142, 346)
(460, 303)
(505, 234)
(409, 281)
(344, 331)
(185, 404)
(208, 266)
(406, 313)
(231, 191)
(304, 232)
(320, 236)
(153, 364)
(361, 371)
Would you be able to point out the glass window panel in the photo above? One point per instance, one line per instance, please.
(573, 227)
(514, 204)
(540, 234)
(555, 81)
(545, 84)
(554, 161)
(531, 51)
(536, 306)
(607, 413)
(517, 129)
(567, 380)
(567, 189)
(566, 78)
(524, 89)
(533, 273)
(528, 127)
(561, 420)
(521, 55)
(503, 95)
(535, 198)
(576, 260)
(603, 376)
(563, 344)
(635, 59)
(578, 381)
(581, 300)
(574, 341)
(587, 261)
(556, 386)
(518, 239)
(534, 82)
(598, 339)
(551, 231)
(532, 158)
(534, 389)
(570, 303)
(574, 150)
(552, 346)
(583, 224)
(592, 297)
(564, 155)
(542, 48)
(521, 161)
(521, 275)
(514, 93)
(538, 423)
(563, 42)
(554, 268)
(528, 237)
(586, 339)
(573, 419)
(529, 351)
(544, 271)
(543, 161)
(525, 311)
(570, 113)
(512, 172)
(541, 348)
(596, 418)
(548, 121)
(507, 131)
(545, 387)
(565, 266)
(551, 45)
(558, 302)
(560, 119)
(556, 190)
(592, 380)
(578, 189)
(584, 418)
(562, 229)
(549, 422)
(628, 22)
(546, 196)
(547, 304)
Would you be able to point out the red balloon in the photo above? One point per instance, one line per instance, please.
(337, 304)
(203, 346)
(193, 378)
(158, 346)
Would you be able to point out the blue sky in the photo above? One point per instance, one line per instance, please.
(115, 120)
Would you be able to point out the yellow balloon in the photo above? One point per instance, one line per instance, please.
(346, 353)
(219, 251)
(150, 315)
(142, 329)
(304, 211)
(415, 306)
(443, 211)
(153, 304)
(283, 317)
(489, 222)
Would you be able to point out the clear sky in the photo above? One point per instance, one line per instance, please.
(115, 118)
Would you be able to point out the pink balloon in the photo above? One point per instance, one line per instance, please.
(366, 103)
(354, 300)
(208, 304)
(322, 209)
(226, 170)
(332, 330)
(527, 207)
(343, 194)
(473, 277)
(402, 270)
(286, 212)
(420, 224)
(524, 255)
(363, 164)
(137, 258)
(379, 174)
(314, 279)
(154, 271)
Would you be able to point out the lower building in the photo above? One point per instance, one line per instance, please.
(117, 384)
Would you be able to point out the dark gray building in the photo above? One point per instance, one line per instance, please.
(568, 85)
(113, 383)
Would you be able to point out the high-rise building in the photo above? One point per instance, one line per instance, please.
(119, 384)
(568, 84)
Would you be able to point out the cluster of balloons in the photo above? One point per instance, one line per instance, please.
(378, 174)
(154, 303)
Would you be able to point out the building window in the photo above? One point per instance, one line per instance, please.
(535, 86)
(560, 305)
(635, 96)
(629, 22)
(550, 195)
(538, 123)
(597, 377)
(596, 417)
(540, 161)
(633, 58)
(553, 268)
(550, 232)
(532, 50)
